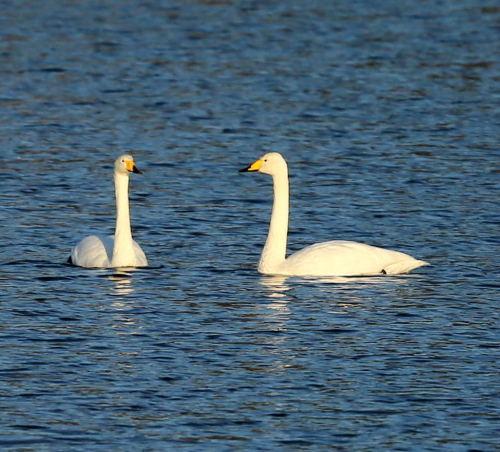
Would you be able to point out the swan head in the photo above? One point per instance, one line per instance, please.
(125, 165)
(272, 163)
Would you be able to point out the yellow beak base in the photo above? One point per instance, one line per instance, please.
(129, 165)
(254, 166)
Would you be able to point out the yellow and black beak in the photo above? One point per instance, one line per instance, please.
(130, 165)
(255, 166)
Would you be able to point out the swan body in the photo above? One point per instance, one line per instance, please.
(118, 250)
(334, 258)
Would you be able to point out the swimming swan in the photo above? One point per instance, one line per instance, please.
(335, 258)
(119, 250)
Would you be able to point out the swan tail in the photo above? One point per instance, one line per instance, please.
(403, 267)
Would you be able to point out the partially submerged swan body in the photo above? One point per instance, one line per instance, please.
(334, 258)
(119, 250)
(100, 251)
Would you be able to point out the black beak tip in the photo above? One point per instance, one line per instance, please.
(244, 170)
(136, 171)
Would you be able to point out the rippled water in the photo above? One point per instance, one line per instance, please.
(388, 114)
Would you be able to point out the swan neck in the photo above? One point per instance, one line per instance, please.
(123, 245)
(274, 252)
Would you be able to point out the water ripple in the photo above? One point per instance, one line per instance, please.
(386, 115)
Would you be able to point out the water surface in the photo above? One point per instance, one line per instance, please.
(388, 116)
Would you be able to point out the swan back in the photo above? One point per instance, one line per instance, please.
(346, 258)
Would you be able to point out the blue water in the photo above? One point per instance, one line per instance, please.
(388, 114)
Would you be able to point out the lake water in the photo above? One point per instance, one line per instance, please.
(388, 114)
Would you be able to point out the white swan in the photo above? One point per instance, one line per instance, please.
(119, 250)
(335, 258)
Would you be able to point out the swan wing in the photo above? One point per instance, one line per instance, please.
(140, 256)
(344, 258)
(93, 251)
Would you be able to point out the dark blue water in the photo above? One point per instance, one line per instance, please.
(388, 114)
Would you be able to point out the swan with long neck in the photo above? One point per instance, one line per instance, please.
(119, 250)
(333, 258)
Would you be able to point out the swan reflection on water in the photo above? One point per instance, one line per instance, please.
(348, 289)
(276, 286)
(123, 305)
(122, 283)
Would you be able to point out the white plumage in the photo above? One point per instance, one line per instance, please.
(118, 250)
(334, 258)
